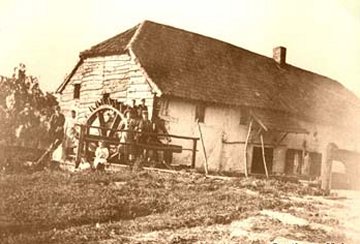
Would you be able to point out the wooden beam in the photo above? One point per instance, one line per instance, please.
(149, 134)
(115, 125)
(258, 121)
(100, 115)
(263, 155)
(326, 172)
(245, 147)
(193, 154)
(203, 145)
(259, 131)
(80, 146)
(281, 139)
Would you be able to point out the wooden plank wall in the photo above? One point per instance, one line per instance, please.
(117, 75)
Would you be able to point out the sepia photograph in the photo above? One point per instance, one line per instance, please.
(232, 121)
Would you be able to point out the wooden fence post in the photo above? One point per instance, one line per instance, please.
(194, 153)
(245, 147)
(204, 150)
(263, 155)
(326, 176)
(80, 146)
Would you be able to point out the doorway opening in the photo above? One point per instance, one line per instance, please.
(257, 165)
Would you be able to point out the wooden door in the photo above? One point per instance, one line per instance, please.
(257, 165)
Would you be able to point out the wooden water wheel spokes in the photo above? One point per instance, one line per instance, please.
(103, 124)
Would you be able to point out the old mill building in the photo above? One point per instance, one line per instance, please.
(237, 96)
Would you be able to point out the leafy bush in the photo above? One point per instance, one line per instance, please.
(24, 109)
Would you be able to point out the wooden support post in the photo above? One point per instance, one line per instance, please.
(86, 143)
(263, 155)
(245, 147)
(326, 172)
(47, 152)
(194, 153)
(203, 145)
(80, 146)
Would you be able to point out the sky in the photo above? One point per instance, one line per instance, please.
(322, 36)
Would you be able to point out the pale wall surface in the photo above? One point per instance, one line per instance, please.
(118, 75)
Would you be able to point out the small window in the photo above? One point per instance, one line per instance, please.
(164, 107)
(200, 112)
(106, 96)
(77, 91)
(244, 116)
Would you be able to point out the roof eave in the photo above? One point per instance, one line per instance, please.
(67, 79)
(154, 87)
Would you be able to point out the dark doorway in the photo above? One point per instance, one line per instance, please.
(315, 164)
(257, 166)
(293, 161)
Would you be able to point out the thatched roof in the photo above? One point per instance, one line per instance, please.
(192, 66)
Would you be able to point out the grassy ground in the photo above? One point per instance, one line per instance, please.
(153, 207)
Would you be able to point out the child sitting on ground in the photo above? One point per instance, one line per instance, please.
(101, 155)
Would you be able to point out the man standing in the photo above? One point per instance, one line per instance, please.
(127, 147)
(134, 109)
(70, 135)
(142, 107)
(145, 127)
(56, 131)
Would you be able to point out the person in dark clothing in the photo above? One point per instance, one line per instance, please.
(134, 109)
(142, 107)
(127, 148)
(57, 122)
(27, 122)
(145, 126)
(158, 127)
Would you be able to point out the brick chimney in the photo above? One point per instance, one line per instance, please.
(279, 55)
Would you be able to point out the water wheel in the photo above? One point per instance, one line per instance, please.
(103, 124)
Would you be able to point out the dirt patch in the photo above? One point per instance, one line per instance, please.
(91, 207)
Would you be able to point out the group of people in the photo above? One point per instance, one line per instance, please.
(37, 129)
(135, 132)
(63, 132)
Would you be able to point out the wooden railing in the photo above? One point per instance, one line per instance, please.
(85, 138)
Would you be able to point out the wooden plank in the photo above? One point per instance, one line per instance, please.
(139, 87)
(138, 78)
(67, 99)
(161, 147)
(91, 90)
(122, 57)
(245, 147)
(193, 159)
(121, 71)
(118, 93)
(114, 76)
(115, 125)
(326, 172)
(263, 155)
(80, 146)
(151, 134)
(204, 150)
(91, 79)
(139, 94)
(151, 146)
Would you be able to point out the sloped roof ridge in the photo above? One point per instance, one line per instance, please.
(270, 59)
(137, 30)
(86, 52)
(136, 34)
(203, 36)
